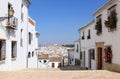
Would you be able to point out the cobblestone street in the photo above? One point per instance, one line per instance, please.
(58, 74)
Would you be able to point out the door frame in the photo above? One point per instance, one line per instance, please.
(89, 58)
(99, 45)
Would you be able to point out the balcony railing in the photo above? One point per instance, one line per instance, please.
(12, 23)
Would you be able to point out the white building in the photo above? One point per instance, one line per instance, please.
(32, 44)
(43, 61)
(55, 62)
(14, 34)
(71, 59)
(74, 54)
(87, 55)
(105, 41)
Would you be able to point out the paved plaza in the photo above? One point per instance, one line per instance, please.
(58, 74)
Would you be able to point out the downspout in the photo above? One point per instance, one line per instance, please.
(80, 44)
(27, 45)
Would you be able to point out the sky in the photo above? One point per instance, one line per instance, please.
(58, 21)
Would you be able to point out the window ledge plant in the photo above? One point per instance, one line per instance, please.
(82, 37)
(98, 27)
(88, 37)
(111, 21)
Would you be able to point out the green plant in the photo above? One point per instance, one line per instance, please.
(111, 21)
(98, 27)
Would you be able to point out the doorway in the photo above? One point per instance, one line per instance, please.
(99, 55)
(89, 58)
(99, 49)
(52, 65)
(84, 58)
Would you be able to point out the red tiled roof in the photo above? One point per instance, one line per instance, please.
(43, 56)
(31, 22)
(55, 59)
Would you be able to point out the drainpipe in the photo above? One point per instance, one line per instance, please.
(27, 45)
(80, 43)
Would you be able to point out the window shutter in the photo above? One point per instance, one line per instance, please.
(15, 49)
(3, 54)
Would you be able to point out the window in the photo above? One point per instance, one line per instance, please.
(111, 10)
(83, 35)
(2, 50)
(92, 51)
(32, 54)
(88, 37)
(29, 55)
(98, 25)
(111, 22)
(22, 15)
(81, 55)
(77, 48)
(9, 8)
(21, 38)
(30, 37)
(14, 49)
(45, 61)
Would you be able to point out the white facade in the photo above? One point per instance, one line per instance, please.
(106, 43)
(43, 63)
(87, 35)
(14, 43)
(71, 59)
(74, 54)
(110, 38)
(32, 44)
(56, 64)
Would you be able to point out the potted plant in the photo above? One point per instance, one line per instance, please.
(111, 21)
(82, 37)
(98, 27)
(88, 37)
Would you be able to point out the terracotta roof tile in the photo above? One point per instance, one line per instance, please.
(43, 56)
(55, 59)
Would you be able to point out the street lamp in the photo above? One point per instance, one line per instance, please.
(10, 14)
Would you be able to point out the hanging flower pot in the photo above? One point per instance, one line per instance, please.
(108, 55)
(111, 21)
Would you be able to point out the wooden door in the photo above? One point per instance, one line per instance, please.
(89, 57)
(59, 65)
(53, 65)
(84, 58)
(99, 58)
(0, 49)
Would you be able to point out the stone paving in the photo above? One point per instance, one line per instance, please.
(58, 74)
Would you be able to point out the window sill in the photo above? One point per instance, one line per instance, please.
(2, 61)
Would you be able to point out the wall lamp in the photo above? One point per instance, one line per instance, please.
(10, 14)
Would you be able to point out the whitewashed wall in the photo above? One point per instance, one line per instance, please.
(20, 61)
(87, 44)
(55, 64)
(41, 63)
(32, 61)
(71, 57)
(111, 38)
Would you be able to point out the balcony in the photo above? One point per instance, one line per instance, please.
(12, 23)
